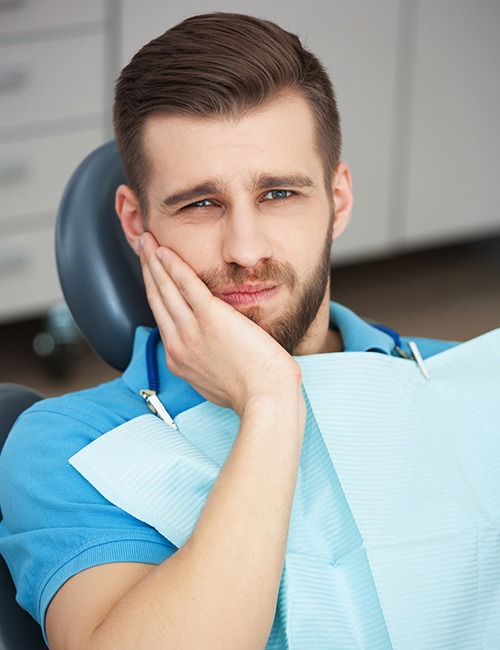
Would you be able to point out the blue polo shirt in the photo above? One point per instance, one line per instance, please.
(55, 523)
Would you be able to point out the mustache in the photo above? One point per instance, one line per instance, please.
(265, 272)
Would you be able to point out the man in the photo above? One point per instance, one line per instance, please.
(230, 528)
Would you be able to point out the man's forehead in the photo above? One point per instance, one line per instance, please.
(275, 142)
(283, 102)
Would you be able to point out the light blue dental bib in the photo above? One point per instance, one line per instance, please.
(395, 530)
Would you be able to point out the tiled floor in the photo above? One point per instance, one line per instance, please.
(451, 293)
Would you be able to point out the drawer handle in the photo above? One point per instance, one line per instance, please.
(13, 75)
(11, 170)
(12, 258)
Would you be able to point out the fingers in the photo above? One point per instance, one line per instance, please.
(193, 290)
(170, 308)
(161, 260)
(180, 301)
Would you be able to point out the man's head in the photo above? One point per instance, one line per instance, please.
(218, 65)
(239, 175)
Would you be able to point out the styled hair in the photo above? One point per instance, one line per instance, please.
(218, 65)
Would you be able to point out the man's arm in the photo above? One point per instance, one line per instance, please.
(220, 589)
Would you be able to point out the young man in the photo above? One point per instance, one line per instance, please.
(229, 527)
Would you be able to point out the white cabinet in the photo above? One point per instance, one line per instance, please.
(419, 93)
(417, 85)
(53, 111)
(53, 80)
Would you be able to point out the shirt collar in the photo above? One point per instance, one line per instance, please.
(357, 334)
(175, 393)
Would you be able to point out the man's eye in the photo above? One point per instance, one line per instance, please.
(204, 203)
(277, 195)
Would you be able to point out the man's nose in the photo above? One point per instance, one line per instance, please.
(245, 241)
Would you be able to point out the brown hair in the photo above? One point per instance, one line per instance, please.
(218, 64)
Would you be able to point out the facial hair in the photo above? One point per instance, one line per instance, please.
(290, 329)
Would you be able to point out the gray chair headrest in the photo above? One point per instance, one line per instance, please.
(99, 273)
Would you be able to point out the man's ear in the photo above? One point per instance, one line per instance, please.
(129, 212)
(342, 198)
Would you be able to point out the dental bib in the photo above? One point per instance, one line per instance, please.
(394, 535)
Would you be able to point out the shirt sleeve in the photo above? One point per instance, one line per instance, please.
(55, 524)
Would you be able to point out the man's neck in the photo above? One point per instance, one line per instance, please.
(320, 338)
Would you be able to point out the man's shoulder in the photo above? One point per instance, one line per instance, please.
(48, 434)
(61, 426)
(89, 405)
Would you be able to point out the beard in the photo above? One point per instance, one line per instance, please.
(290, 329)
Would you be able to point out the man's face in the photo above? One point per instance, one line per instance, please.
(245, 204)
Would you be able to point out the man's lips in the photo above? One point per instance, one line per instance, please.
(246, 294)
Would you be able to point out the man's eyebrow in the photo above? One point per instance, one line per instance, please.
(269, 181)
(211, 187)
(191, 194)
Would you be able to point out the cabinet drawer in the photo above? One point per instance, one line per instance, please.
(21, 15)
(28, 276)
(33, 173)
(51, 80)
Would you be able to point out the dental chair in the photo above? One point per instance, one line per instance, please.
(99, 273)
(102, 283)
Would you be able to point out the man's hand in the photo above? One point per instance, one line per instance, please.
(220, 352)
